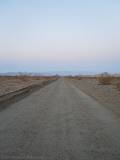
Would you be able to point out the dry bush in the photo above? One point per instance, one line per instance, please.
(105, 80)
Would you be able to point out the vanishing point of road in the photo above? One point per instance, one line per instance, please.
(59, 122)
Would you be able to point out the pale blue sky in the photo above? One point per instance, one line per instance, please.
(60, 35)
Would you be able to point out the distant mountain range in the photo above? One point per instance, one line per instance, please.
(61, 73)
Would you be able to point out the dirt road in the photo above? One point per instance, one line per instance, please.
(59, 122)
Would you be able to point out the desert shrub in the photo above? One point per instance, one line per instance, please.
(105, 80)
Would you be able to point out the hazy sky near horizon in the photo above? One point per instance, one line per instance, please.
(60, 35)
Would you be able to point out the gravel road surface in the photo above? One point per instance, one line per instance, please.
(59, 122)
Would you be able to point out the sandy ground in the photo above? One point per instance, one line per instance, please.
(59, 122)
(108, 95)
(12, 84)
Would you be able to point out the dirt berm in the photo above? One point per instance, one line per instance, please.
(12, 97)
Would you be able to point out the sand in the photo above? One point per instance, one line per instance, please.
(108, 95)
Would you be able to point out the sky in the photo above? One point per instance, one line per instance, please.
(75, 36)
